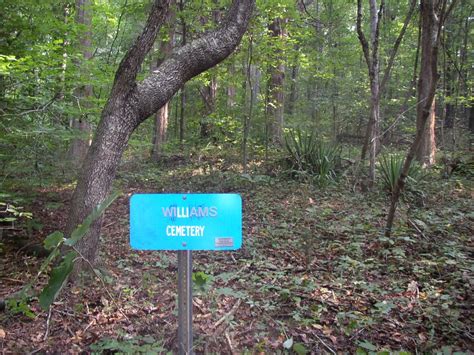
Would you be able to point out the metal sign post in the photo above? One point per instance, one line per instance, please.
(185, 222)
(185, 302)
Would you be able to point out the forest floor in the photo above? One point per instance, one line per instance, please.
(315, 273)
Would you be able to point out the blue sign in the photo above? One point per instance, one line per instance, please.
(186, 221)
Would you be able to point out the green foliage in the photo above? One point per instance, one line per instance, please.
(59, 274)
(81, 230)
(309, 156)
(57, 278)
(390, 167)
(202, 281)
(19, 305)
(9, 214)
(136, 345)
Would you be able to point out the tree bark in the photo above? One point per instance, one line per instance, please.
(426, 151)
(130, 103)
(425, 124)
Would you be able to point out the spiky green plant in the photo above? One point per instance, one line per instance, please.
(310, 157)
(390, 167)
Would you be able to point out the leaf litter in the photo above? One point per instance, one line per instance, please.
(315, 274)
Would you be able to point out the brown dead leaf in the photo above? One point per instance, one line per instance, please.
(2, 334)
(422, 337)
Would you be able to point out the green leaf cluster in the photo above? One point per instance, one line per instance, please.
(59, 274)
(310, 156)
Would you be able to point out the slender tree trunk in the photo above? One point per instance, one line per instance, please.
(371, 54)
(426, 151)
(377, 87)
(471, 117)
(209, 94)
(425, 124)
(81, 125)
(249, 94)
(290, 107)
(130, 103)
(449, 107)
(276, 90)
(182, 118)
(160, 127)
(231, 90)
(433, 14)
(465, 89)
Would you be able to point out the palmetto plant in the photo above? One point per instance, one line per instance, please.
(312, 157)
(390, 167)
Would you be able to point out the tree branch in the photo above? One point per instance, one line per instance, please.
(130, 65)
(360, 33)
(192, 59)
(386, 74)
(375, 43)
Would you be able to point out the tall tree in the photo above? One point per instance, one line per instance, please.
(276, 91)
(433, 14)
(377, 87)
(371, 54)
(160, 126)
(184, 31)
(131, 102)
(209, 91)
(83, 93)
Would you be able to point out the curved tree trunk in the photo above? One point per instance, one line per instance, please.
(130, 103)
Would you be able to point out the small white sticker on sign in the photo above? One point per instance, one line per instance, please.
(224, 242)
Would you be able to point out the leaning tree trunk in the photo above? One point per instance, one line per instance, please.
(130, 103)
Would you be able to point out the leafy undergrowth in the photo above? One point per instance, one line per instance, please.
(315, 273)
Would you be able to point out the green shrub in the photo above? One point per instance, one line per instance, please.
(310, 157)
